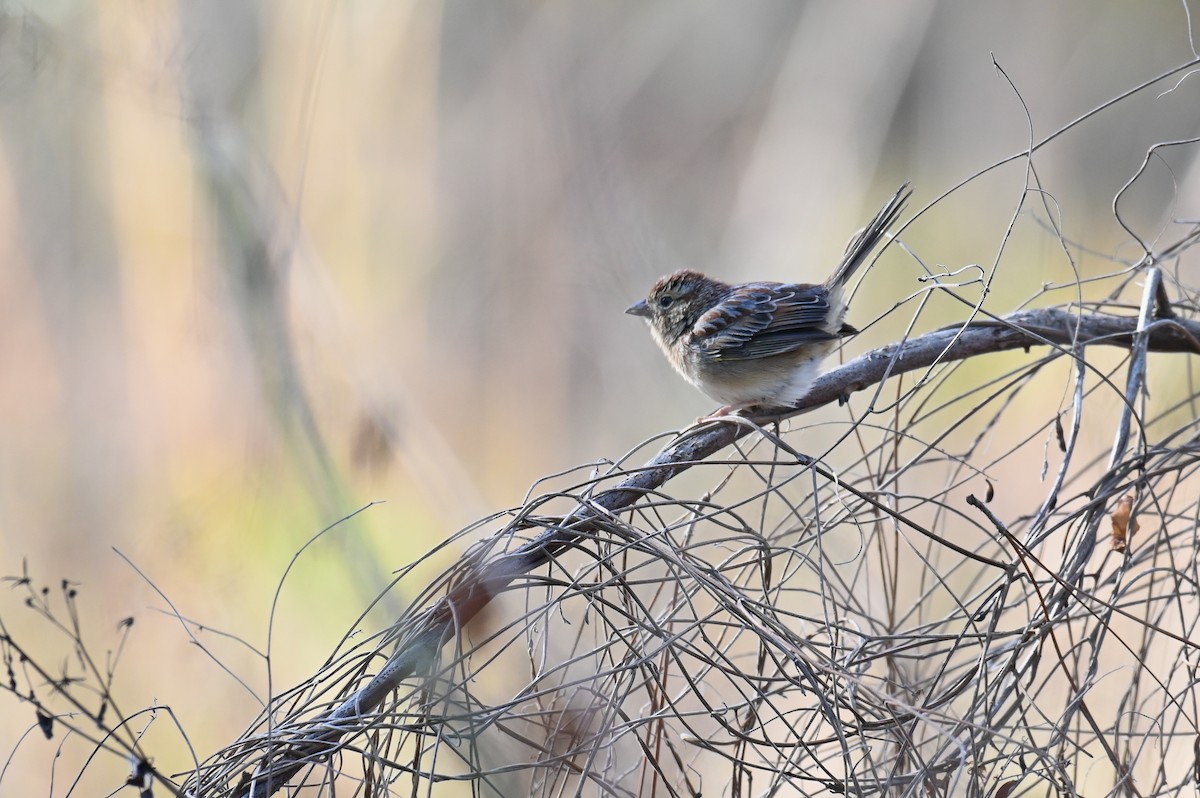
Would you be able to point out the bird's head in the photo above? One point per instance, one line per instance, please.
(676, 301)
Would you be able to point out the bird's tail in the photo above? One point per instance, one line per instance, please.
(862, 244)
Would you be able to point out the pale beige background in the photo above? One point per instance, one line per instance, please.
(263, 262)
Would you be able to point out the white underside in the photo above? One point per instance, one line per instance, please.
(772, 388)
(777, 380)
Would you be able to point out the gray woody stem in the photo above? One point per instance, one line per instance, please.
(422, 635)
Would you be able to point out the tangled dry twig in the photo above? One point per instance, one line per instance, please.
(803, 623)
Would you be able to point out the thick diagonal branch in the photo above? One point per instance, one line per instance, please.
(425, 632)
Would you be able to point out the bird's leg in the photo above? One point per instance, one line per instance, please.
(719, 413)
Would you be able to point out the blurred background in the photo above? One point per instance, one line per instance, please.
(264, 262)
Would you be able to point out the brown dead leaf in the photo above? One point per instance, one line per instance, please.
(1122, 528)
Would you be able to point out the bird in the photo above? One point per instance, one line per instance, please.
(757, 344)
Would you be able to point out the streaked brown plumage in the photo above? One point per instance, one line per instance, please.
(757, 343)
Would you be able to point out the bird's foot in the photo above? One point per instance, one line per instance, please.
(720, 413)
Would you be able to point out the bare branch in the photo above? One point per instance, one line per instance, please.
(420, 636)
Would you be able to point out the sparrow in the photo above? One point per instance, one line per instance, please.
(762, 343)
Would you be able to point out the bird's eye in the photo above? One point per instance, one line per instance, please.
(665, 301)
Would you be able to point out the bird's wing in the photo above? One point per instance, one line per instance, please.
(761, 320)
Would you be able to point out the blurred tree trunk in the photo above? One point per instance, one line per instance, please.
(53, 128)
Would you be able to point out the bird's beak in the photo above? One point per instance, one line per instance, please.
(639, 309)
